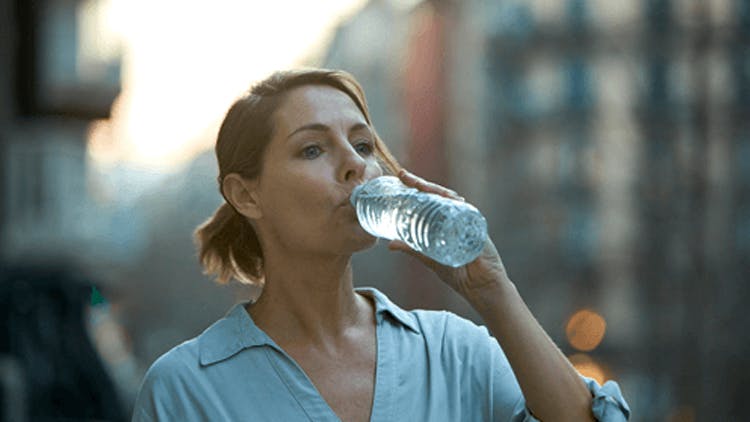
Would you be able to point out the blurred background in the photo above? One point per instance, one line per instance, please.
(607, 142)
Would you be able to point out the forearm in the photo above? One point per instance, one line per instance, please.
(551, 386)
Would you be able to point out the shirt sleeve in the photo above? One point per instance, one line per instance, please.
(140, 415)
(492, 374)
(607, 405)
(163, 393)
(155, 389)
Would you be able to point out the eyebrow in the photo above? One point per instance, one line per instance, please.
(319, 127)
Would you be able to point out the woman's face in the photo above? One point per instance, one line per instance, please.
(321, 149)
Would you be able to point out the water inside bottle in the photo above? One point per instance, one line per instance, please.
(453, 235)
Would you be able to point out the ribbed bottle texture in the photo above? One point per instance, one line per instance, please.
(448, 231)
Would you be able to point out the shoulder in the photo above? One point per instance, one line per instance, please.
(450, 327)
(464, 345)
(173, 367)
(167, 383)
(431, 324)
(468, 352)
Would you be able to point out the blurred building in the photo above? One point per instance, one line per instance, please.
(62, 72)
(59, 71)
(607, 142)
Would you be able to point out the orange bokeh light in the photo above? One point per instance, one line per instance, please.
(585, 330)
(589, 368)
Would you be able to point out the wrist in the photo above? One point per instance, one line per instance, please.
(490, 295)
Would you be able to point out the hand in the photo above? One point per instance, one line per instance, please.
(487, 270)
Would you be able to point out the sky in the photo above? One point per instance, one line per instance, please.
(184, 62)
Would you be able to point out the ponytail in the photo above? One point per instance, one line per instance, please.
(229, 248)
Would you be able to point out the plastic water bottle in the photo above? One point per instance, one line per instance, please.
(448, 231)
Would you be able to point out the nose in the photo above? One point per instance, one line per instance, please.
(353, 165)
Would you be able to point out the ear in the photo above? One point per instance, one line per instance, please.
(241, 193)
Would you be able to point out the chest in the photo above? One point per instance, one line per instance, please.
(346, 381)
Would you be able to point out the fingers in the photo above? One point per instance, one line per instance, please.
(397, 245)
(409, 179)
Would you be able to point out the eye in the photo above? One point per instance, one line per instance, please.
(310, 152)
(364, 147)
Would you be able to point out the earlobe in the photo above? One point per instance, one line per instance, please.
(241, 193)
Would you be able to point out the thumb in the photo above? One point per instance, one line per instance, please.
(398, 245)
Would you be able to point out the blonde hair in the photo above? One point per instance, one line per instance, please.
(227, 243)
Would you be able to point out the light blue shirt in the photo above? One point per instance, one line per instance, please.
(431, 366)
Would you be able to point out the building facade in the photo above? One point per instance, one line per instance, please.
(607, 143)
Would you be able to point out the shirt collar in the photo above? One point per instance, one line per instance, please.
(384, 306)
(229, 335)
(237, 331)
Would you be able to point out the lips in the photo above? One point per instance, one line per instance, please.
(346, 203)
(347, 199)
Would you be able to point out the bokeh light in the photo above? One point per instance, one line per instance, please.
(585, 330)
(586, 366)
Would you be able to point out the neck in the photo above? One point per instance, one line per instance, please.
(312, 300)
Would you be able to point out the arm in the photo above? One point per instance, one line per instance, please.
(552, 388)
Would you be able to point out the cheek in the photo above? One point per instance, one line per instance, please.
(304, 197)
(295, 212)
(373, 170)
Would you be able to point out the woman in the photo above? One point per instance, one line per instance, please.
(311, 347)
